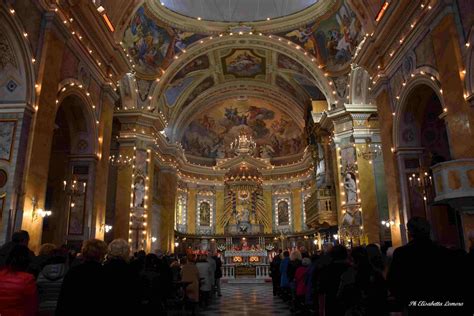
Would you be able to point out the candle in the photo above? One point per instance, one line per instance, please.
(64, 182)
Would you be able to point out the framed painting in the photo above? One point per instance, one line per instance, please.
(7, 136)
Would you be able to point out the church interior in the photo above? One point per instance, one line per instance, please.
(237, 128)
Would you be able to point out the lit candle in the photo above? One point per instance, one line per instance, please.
(64, 183)
(84, 189)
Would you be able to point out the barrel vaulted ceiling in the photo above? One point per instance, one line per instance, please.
(213, 78)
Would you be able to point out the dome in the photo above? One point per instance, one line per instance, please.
(237, 10)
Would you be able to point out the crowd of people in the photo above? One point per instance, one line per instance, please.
(419, 278)
(102, 280)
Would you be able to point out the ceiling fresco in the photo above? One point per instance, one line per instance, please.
(243, 63)
(332, 41)
(152, 45)
(209, 135)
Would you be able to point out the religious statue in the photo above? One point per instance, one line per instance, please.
(283, 214)
(139, 193)
(244, 216)
(205, 214)
(350, 189)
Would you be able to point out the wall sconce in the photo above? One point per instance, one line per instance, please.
(38, 212)
(105, 227)
(387, 223)
(153, 239)
(176, 244)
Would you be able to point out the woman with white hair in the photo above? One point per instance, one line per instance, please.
(122, 282)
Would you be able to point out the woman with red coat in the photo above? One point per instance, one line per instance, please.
(300, 278)
(18, 295)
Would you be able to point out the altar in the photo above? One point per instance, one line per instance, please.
(246, 266)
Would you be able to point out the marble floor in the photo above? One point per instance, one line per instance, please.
(246, 299)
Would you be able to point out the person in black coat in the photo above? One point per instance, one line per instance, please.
(275, 272)
(83, 287)
(218, 274)
(423, 271)
(122, 282)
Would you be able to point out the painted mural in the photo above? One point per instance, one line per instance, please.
(176, 88)
(285, 62)
(333, 41)
(199, 63)
(200, 88)
(310, 88)
(7, 134)
(286, 86)
(152, 44)
(243, 63)
(210, 135)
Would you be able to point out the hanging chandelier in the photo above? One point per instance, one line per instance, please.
(370, 151)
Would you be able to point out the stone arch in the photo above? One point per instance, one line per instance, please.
(213, 95)
(251, 41)
(402, 107)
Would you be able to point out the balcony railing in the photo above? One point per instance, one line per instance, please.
(454, 179)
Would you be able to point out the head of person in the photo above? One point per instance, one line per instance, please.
(286, 254)
(47, 249)
(56, 256)
(202, 258)
(359, 256)
(18, 258)
(296, 255)
(280, 251)
(338, 253)
(21, 238)
(94, 250)
(418, 228)
(119, 249)
(151, 262)
(306, 262)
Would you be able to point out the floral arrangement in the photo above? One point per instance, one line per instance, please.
(269, 247)
(221, 247)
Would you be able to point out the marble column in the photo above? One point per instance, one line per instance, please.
(167, 191)
(41, 135)
(219, 209)
(102, 168)
(191, 207)
(392, 178)
(367, 193)
(459, 117)
(123, 197)
(267, 198)
(296, 206)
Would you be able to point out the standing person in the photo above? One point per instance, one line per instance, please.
(86, 281)
(424, 271)
(363, 289)
(18, 295)
(49, 282)
(190, 275)
(18, 238)
(213, 265)
(284, 282)
(275, 272)
(122, 283)
(205, 274)
(329, 279)
(218, 275)
(150, 284)
(300, 282)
